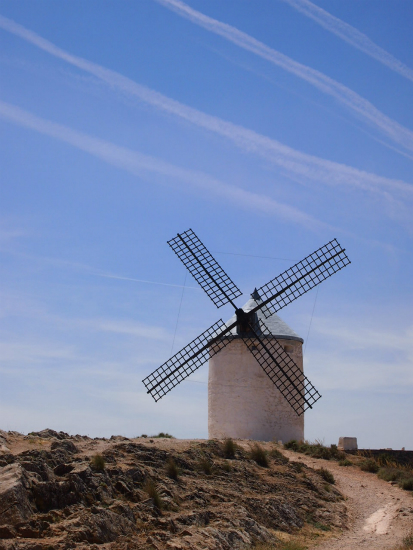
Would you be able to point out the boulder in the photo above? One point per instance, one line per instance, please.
(14, 503)
(48, 434)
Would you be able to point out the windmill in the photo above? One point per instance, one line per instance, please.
(248, 328)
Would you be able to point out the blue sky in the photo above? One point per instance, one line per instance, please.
(267, 127)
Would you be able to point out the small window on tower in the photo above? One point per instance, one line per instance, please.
(288, 348)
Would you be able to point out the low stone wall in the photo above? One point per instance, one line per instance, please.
(402, 457)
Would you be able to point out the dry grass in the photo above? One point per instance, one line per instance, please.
(229, 448)
(370, 465)
(326, 475)
(316, 450)
(259, 455)
(205, 466)
(97, 463)
(172, 469)
(150, 488)
(278, 456)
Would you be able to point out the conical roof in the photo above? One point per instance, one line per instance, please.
(271, 326)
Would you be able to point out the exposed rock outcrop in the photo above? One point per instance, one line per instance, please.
(60, 492)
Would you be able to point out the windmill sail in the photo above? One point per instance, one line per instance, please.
(186, 361)
(204, 268)
(281, 369)
(302, 277)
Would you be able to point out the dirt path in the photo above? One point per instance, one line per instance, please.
(381, 514)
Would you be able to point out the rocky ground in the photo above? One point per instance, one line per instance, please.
(55, 495)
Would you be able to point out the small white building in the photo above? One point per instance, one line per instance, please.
(242, 401)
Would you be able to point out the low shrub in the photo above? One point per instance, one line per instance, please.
(316, 450)
(345, 462)
(259, 455)
(407, 484)
(150, 488)
(293, 445)
(321, 526)
(206, 466)
(297, 466)
(97, 463)
(229, 448)
(162, 434)
(278, 456)
(390, 474)
(369, 465)
(227, 467)
(326, 475)
(172, 469)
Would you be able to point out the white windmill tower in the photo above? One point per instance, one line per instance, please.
(243, 402)
(256, 327)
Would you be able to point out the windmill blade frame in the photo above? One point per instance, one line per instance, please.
(187, 360)
(302, 277)
(204, 268)
(281, 369)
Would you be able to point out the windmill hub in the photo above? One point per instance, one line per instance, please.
(244, 321)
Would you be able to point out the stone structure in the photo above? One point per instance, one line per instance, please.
(347, 443)
(242, 400)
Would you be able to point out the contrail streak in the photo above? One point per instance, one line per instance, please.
(353, 101)
(293, 162)
(351, 35)
(138, 164)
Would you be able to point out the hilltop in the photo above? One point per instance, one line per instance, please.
(59, 492)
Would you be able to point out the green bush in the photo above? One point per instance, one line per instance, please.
(172, 470)
(293, 445)
(390, 474)
(321, 526)
(369, 465)
(326, 475)
(345, 462)
(316, 450)
(162, 434)
(150, 488)
(259, 455)
(229, 448)
(97, 462)
(407, 484)
(206, 466)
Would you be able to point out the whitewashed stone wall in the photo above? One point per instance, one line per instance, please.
(242, 400)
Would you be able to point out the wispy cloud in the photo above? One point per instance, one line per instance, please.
(138, 164)
(130, 328)
(293, 162)
(357, 356)
(322, 82)
(351, 35)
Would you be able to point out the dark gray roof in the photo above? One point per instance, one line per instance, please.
(275, 325)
